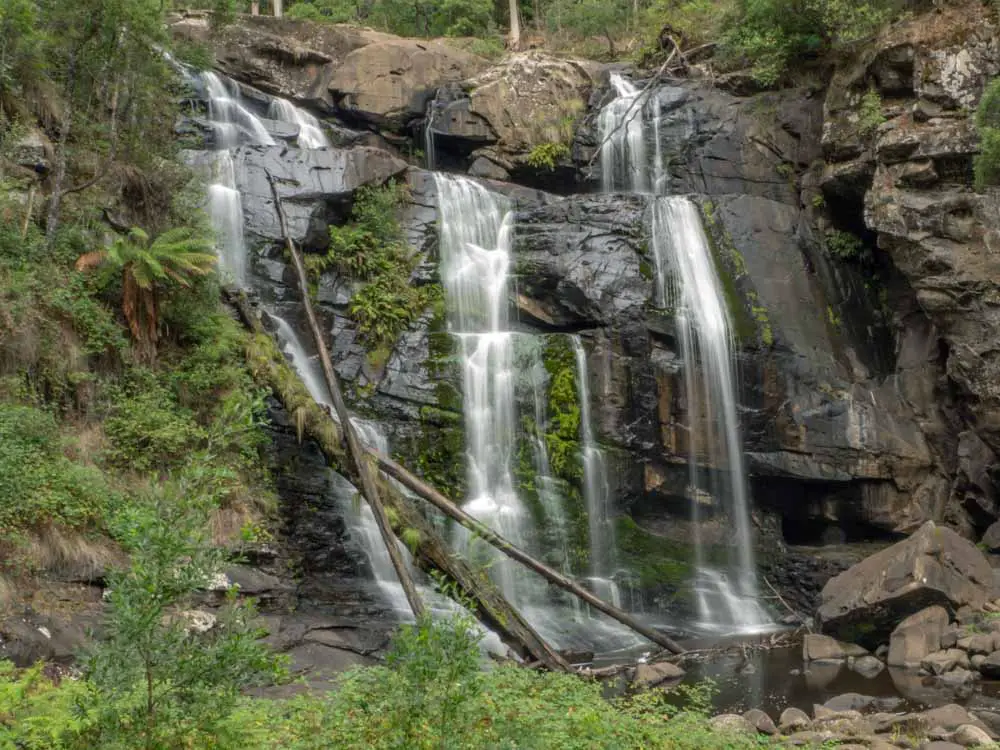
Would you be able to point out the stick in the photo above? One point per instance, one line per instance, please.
(361, 469)
(27, 212)
(447, 507)
(784, 603)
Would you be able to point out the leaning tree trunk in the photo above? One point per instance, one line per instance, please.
(361, 471)
(430, 553)
(439, 501)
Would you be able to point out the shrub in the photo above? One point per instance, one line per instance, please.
(547, 154)
(38, 484)
(870, 112)
(987, 162)
(844, 246)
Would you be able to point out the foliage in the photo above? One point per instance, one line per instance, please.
(987, 162)
(404, 17)
(590, 18)
(175, 258)
(693, 22)
(38, 484)
(547, 154)
(769, 34)
(35, 712)
(154, 681)
(844, 246)
(870, 112)
(371, 248)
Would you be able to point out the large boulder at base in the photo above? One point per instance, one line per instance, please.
(817, 647)
(917, 637)
(933, 566)
(391, 81)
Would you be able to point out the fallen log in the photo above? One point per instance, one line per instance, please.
(358, 468)
(430, 553)
(450, 509)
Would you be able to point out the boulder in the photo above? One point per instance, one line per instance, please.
(792, 720)
(867, 666)
(527, 99)
(818, 647)
(968, 735)
(950, 717)
(916, 637)
(933, 566)
(946, 660)
(990, 666)
(731, 724)
(761, 721)
(979, 643)
(389, 82)
(991, 539)
(957, 677)
(649, 675)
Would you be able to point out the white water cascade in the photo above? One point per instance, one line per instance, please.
(596, 491)
(475, 227)
(232, 122)
(687, 282)
(311, 133)
(225, 207)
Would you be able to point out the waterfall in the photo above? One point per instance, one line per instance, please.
(596, 492)
(232, 122)
(429, 155)
(225, 207)
(311, 133)
(687, 282)
(475, 227)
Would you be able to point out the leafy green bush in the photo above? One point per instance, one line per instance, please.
(769, 34)
(38, 484)
(547, 154)
(870, 112)
(147, 428)
(987, 162)
(844, 246)
(372, 248)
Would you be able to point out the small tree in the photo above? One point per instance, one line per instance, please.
(147, 268)
(987, 162)
(156, 681)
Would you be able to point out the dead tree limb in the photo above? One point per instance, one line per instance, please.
(635, 108)
(442, 503)
(430, 553)
(358, 466)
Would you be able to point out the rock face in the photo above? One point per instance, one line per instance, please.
(529, 99)
(934, 566)
(389, 82)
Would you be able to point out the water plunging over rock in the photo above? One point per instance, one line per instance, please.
(687, 283)
(311, 133)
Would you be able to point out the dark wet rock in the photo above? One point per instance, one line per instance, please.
(30, 636)
(989, 667)
(916, 637)
(313, 185)
(934, 565)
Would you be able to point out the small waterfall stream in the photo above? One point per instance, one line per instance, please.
(687, 282)
(311, 133)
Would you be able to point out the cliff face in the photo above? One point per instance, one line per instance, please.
(869, 397)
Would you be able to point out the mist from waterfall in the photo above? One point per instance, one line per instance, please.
(687, 282)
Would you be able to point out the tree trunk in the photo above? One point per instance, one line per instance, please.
(59, 176)
(439, 501)
(514, 37)
(279, 8)
(255, 8)
(430, 553)
(362, 471)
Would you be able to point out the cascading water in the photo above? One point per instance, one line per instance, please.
(311, 133)
(225, 207)
(686, 280)
(232, 122)
(475, 255)
(596, 492)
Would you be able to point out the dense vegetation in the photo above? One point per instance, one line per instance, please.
(766, 35)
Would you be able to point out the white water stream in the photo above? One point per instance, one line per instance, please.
(687, 282)
(311, 133)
